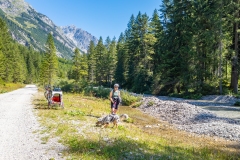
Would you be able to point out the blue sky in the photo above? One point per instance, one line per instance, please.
(98, 17)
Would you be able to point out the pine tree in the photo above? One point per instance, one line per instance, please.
(30, 65)
(157, 30)
(44, 71)
(130, 49)
(18, 65)
(235, 46)
(121, 67)
(37, 64)
(83, 67)
(76, 65)
(15, 59)
(110, 60)
(208, 41)
(144, 42)
(49, 65)
(2, 68)
(100, 52)
(91, 62)
(5, 47)
(2, 56)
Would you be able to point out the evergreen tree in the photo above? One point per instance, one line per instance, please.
(5, 47)
(18, 65)
(189, 45)
(37, 64)
(2, 65)
(44, 71)
(91, 62)
(49, 65)
(76, 65)
(130, 49)
(235, 45)
(15, 61)
(157, 30)
(83, 67)
(30, 66)
(206, 42)
(110, 60)
(144, 42)
(121, 67)
(100, 52)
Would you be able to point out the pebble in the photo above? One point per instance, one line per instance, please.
(191, 118)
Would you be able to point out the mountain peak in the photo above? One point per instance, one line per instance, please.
(14, 7)
(79, 37)
(30, 28)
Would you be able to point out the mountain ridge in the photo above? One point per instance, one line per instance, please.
(30, 28)
(80, 37)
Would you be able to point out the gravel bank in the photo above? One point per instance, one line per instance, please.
(191, 118)
(18, 137)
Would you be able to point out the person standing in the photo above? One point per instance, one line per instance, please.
(115, 99)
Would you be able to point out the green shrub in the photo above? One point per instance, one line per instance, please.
(209, 89)
(1, 81)
(67, 88)
(73, 87)
(102, 92)
(137, 104)
(129, 120)
(190, 95)
(237, 103)
(150, 103)
(128, 99)
(193, 96)
(3, 91)
(99, 92)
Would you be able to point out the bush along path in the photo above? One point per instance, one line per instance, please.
(191, 118)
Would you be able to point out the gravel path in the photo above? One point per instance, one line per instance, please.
(191, 116)
(18, 137)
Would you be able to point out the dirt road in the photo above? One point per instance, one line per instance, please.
(19, 138)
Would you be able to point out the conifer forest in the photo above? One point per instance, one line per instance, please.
(185, 47)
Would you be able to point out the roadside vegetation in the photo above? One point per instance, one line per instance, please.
(133, 139)
(7, 87)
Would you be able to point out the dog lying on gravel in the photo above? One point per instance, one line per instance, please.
(111, 118)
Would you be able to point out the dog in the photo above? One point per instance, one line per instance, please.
(111, 118)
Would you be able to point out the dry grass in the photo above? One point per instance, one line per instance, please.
(75, 125)
(7, 87)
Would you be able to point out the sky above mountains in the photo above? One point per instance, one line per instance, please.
(98, 17)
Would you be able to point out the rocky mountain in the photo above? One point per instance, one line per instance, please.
(31, 28)
(79, 37)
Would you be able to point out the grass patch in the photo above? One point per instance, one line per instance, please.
(129, 120)
(136, 104)
(75, 113)
(8, 87)
(45, 139)
(29, 25)
(75, 125)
